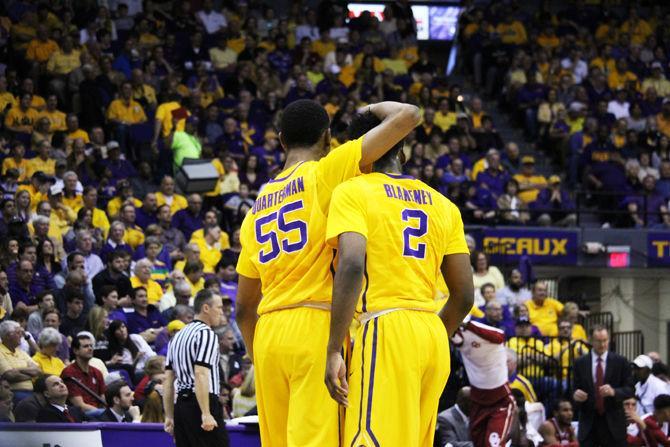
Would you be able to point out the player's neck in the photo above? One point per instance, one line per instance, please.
(391, 167)
(299, 155)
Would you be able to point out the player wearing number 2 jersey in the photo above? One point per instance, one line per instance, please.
(285, 261)
(395, 236)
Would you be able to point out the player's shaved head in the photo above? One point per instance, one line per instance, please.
(303, 123)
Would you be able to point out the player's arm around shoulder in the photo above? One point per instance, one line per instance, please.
(345, 161)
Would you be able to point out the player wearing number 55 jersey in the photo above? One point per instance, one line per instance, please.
(395, 236)
(285, 261)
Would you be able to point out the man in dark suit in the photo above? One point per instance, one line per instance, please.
(602, 381)
(120, 407)
(56, 409)
(453, 423)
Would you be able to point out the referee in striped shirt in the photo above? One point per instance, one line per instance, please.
(196, 420)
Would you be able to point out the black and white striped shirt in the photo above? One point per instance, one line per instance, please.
(195, 344)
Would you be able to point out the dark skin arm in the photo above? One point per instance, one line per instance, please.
(248, 298)
(346, 290)
(458, 276)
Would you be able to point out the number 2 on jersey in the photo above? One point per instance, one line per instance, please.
(284, 227)
(413, 231)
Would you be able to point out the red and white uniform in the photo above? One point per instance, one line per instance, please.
(654, 435)
(485, 360)
(565, 438)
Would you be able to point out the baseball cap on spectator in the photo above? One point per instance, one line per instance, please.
(61, 164)
(666, 101)
(554, 180)
(656, 64)
(226, 299)
(522, 320)
(643, 361)
(112, 145)
(56, 189)
(527, 160)
(270, 133)
(175, 326)
(461, 115)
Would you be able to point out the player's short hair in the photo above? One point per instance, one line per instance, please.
(557, 404)
(662, 401)
(362, 123)
(303, 123)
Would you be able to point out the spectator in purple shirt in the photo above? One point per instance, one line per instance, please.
(529, 97)
(145, 316)
(663, 183)
(480, 204)
(227, 276)
(22, 291)
(115, 241)
(280, 59)
(554, 205)
(494, 177)
(650, 208)
(189, 219)
(301, 90)
(456, 173)
(232, 139)
(119, 167)
(146, 214)
(603, 165)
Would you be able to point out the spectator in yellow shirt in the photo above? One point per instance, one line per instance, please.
(543, 311)
(143, 92)
(16, 161)
(167, 196)
(7, 99)
(210, 247)
(41, 48)
(164, 118)
(125, 110)
(123, 113)
(21, 119)
(49, 341)
(324, 44)
(37, 102)
(142, 278)
(637, 28)
(444, 118)
(71, 198)
(134, 235)
(512, 32)
(56, 118)
(99, 217)
(222, 56)
(530, 184)
(657, 80)
(663, 118)
(548, 39)
(619, 78)
(211, 218)
(43, 162)
(61, 64)
(73, 130)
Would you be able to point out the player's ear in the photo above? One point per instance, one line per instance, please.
(281, 141)
(326, 141)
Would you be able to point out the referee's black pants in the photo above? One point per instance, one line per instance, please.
(188, 420)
